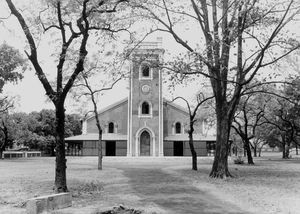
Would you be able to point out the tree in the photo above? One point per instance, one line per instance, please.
(74, 23)
(249, 116)
(284, 115)
(73, 125)
(192, 120)
(10, 63)
(36, 130)
(109, 73)
(235, 49)
(6, 140)
(292, 92)
(93, 93)
(261, 138)
(42, 127)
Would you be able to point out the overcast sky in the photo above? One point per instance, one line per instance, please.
(30, 93)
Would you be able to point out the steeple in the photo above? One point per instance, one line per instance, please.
(145, 109)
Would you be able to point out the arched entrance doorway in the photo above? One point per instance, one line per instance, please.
(145, 144)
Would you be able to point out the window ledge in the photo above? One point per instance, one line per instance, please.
(145, 115)
(145, 78)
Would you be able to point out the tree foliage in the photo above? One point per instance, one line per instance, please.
(36, 130)
(284, 116)
(10, 61)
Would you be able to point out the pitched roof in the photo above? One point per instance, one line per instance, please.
(176, 106)
(109, 107)
(165, 101)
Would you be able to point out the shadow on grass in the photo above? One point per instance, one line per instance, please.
(79, 188)
(173, 194)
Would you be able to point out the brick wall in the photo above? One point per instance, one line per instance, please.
(117, 115)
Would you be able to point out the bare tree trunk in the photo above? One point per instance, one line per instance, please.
(193, 151)
(259, 152)
(4, 144)
(283, 150)
(296, 148)
(255, 150)
(192, 121)
(60, 166)
(248, 151)
(93, 98)
(100, 155)
(287, 150)
(220, 164)
(230, 149)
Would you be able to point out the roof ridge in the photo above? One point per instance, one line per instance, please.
(179, 107)
(109, 107)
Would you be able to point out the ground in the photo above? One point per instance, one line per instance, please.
(156, 185)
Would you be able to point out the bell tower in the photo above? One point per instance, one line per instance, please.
(145, 103)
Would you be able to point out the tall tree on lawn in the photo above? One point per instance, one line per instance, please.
(234, 41)
(74, 22)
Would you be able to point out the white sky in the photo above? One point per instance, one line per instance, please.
(29, 92)
(31, 95)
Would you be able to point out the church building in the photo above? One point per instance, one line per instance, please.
(144, 124)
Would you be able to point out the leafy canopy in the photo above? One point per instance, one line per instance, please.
(10, 61)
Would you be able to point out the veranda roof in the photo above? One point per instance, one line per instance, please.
(109, 136)
(185, 137)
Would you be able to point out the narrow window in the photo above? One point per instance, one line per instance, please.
(177, 128)
(111, 127)
(145, 71)
(145, 108)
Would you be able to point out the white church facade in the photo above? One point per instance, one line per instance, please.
(144, 124)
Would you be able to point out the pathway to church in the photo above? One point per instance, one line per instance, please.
(173, 194)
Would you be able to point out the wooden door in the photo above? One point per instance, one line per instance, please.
(145, 144)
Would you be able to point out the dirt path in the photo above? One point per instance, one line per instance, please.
(175, 195)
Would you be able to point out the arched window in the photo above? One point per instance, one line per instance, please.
(177, 128)
(145, 71)
(111, 127)
(145, 108)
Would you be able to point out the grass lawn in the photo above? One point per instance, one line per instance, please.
(156, 185)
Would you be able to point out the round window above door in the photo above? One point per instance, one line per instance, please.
(146, 89)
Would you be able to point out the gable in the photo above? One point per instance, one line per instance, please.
(174, 113)
(116, 113)
(175, 107)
